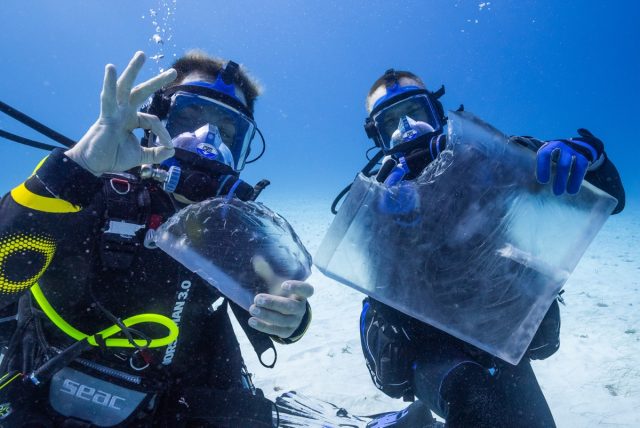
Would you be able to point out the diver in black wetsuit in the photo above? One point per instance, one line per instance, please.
(107, 329)
(408, 358)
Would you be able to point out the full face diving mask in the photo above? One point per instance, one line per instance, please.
(387, 118)
(189, 112)
(201, 168)
(399, 101)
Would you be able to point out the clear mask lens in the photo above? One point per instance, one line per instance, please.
(417, 107)
(190, 113)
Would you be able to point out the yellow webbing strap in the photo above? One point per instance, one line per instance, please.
(110, 331)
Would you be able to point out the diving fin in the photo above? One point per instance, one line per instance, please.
(300, 411)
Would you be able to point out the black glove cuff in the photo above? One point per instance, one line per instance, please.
(67, 180)
(587, 137)
(598, 162)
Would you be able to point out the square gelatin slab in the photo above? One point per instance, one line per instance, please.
(474, 246)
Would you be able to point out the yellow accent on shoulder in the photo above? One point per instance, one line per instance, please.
(39, 165)
(28, 199)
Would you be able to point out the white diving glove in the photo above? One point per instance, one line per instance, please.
(280, 311)
(110, 145)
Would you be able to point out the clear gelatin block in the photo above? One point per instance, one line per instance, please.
(241, 248)
(474, 246)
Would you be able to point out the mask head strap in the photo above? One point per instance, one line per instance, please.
(223, 89)
(396, 93)
(390, 79)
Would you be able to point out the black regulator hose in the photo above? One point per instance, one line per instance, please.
(36, 126)
(366, 171)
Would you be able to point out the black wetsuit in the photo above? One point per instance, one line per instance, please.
(52, 232)
(466, 386)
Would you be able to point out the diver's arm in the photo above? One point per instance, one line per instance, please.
(607, 178)
(36, 215)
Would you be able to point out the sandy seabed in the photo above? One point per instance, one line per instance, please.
(593, 380)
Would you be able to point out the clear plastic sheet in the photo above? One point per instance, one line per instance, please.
(474, 246)
(241, 248)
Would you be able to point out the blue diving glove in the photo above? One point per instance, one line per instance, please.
(573, 157)
(400, 198)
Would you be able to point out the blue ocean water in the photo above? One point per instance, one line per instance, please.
(532, 67)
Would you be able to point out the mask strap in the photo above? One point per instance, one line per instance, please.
(390, 79)
(264, 147)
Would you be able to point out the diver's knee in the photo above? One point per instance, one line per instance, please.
(470, 396)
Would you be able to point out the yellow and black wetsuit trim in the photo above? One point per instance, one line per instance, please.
(25, 197)
(20, 243)
(106, 334)
(28, 199)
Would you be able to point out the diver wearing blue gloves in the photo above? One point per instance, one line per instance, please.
(574, 158)
(107, 330)
(408, 358)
